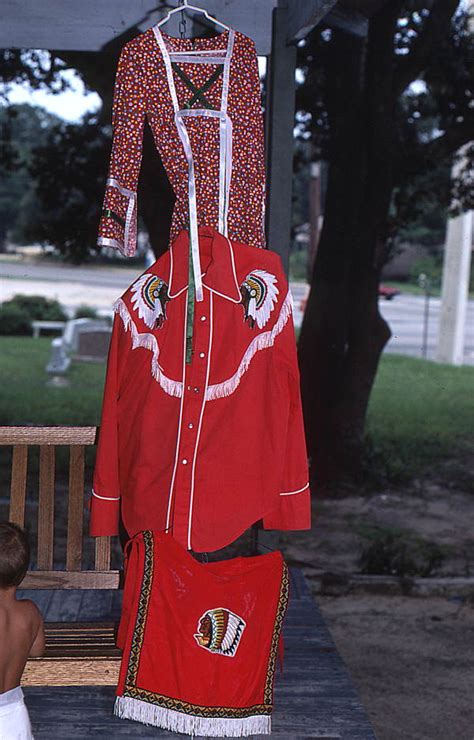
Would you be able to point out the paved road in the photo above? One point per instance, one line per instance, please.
(405, 316)
(100, 286)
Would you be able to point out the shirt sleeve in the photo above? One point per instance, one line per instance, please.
(248, 174)
(258, 153)
(294, 507)
(118, 224)
(105, 503)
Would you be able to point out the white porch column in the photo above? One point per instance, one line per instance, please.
(455, 286)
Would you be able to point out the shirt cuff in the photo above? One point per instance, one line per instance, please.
(293, 512)
(105, 512)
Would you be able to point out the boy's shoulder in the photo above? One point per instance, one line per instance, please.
(22, 608)
(30, 609)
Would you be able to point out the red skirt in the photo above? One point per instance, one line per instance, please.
(200, 641)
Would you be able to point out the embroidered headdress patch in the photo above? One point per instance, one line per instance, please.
(149, 298)
(219, 631)
(259, 295)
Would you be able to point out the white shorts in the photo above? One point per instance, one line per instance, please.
(14, 719)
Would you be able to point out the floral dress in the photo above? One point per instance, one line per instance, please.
(201, 98)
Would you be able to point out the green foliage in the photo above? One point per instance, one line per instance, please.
(40, 68)
(38, 308)
(299, 265)
(434, 117)
(85, 312)
(398, 553)
(22, 128)
(17, 315)
(69, 171)
(14, 320)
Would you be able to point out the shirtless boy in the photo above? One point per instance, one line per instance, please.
(21, 632)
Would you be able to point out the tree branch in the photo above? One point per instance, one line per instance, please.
(414, 159)
(410, 66)
(454, 138)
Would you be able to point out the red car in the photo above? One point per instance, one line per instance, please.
(385, 291)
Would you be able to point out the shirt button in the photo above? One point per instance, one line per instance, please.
(202, 354)
(190, 425)
(203, 318)
(184, 461)
(196, 390)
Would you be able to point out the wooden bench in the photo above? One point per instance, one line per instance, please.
(72, 649)
(315, 697)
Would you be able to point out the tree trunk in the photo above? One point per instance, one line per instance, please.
(343, 333)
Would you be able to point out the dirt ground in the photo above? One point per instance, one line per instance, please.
(411, 659)
(430, 512)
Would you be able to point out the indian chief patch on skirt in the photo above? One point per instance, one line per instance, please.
(199, 640)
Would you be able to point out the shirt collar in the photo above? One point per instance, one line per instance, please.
(217, 260)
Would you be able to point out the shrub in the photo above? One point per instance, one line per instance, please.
(14, 320)
(398, 553)
(85, 312)
(39, 308)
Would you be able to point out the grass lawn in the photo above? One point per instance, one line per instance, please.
(420, 412)
(26, 399)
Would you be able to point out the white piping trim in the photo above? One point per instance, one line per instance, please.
(105, 498)
(169, 71)
(175, 295)
(236, 282)
(209, 351)
(225, 150)
(105, 241)
(225, 81)
(170, 279)
(187, 58)
(197, 52)
(128, 249)
(130, 223)
(261, 341)
(148, 341)
(192, 205)
(111, 182)
(222, 295)
(178, 439)
(292, 493)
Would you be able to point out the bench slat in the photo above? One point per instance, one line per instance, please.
(18, 484)
(48, 435)
(46, 508)
(88, 579)
(75, 508)
(102, 553)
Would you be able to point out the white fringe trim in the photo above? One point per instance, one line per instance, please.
(169, 719)
(261, 341)
(148, 341)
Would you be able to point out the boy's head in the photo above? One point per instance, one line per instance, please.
(14, 554)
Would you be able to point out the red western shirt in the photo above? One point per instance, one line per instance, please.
(204, 448)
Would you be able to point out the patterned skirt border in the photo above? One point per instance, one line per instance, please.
(169, 719)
